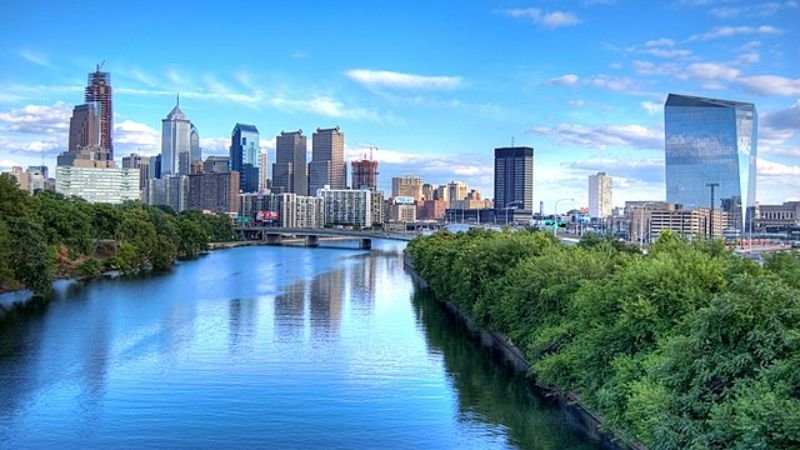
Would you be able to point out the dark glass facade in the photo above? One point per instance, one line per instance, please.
(513, 178)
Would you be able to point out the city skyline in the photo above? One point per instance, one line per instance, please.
(441, 100)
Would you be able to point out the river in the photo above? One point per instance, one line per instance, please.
(262, 347)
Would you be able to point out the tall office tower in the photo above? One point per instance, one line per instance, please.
(513, 178)
(711, 141)
(600, 202)
(176, 132)
(290, 171)
(196, 154)
(98, 91)
(364, 174)
(84, 127)
(154, 172)
(327, 167)
(244, 155)
(84, 136)
(407, 186)
(427, 191)
(457, 190)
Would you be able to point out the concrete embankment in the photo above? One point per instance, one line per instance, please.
(576, 414)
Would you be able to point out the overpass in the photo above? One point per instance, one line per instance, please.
(274, 235)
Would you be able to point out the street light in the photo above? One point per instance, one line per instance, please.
(555, 213)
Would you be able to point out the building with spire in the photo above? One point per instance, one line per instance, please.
(176, 131)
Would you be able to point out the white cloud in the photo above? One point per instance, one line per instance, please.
(722, 32)
(711, 71)
(611, 83)
(215, 146)
(604, 136)
(131, 136)
(38, 119)
(652, 108)
(329, 107)
(771, 85)
(661, 42)
(564, 80)
(553, 19)
(398, 80)
(763, 9)
(37, 58)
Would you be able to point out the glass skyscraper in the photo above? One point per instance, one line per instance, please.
(710, 141)
(244, 153)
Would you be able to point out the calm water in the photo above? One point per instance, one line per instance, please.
(268, 347)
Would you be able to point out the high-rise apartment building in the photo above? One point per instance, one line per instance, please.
(98, 92)
(710, 141)
(600, 200)
(244, 153)
(360, 208)
(364, 174)
(290, 171)
(176, 132)
(513, 178)
(172, 191)
(427, 191)
(327, 167)
(407, 186)
(442, 193)
(216, 192)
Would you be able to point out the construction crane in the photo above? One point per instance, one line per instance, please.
(100, 66)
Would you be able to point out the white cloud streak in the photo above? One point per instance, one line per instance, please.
(553, 19)
(398, 80)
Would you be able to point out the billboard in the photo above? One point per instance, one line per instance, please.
(267, 216)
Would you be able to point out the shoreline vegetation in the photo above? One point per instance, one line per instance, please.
(45, 237)
(687, 347)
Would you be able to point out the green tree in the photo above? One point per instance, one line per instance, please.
(29, 256)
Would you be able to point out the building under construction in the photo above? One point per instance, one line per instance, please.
(98, 92)
(365, 173)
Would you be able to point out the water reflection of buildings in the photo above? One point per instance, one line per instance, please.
(326, 292)
(242, 316)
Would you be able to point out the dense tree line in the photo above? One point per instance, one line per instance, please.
(687, 347)
(47, 235)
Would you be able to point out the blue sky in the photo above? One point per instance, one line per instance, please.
(435, 85)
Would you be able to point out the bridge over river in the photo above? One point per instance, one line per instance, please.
(276, 235)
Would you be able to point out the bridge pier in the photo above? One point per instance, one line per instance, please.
(272, 239)
(365, 244)
(312, 241)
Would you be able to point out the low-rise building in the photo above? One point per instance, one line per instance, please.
(286, 210)
(778, 218)
(98, 185)
(694, 223)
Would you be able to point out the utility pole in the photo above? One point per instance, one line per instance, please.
(711, 216)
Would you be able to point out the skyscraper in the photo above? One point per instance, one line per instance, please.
(98, 91)
(513, 178)
(290, 171)
(710, 141)
(84, 137)
(600, 202)
(327, 160)
(176, 138)
(244, 153)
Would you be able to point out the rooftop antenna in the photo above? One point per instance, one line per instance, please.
(178, 99)
(512, 141)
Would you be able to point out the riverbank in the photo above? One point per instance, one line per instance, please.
(575, 412)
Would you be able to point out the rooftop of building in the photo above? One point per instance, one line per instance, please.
(688, 100)
(245, 127)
